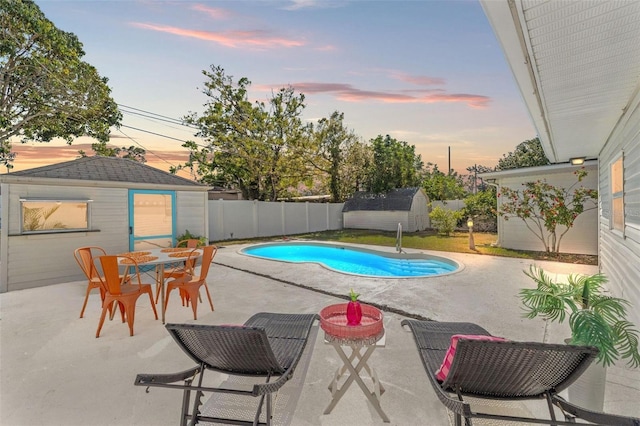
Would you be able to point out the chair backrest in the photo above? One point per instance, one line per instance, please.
(208, 252)
(516, 369)
(84, 256)
(112, 279)
(233, 349)
(189, 243)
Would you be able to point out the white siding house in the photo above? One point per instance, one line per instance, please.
(578, 68)
(407, 206)
(102, 188)
(514, 234)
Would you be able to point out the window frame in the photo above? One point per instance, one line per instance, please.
(24, 231)
(617, 195)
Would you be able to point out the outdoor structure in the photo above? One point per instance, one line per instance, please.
(514, 234)
(576, 64)
(407, 206)
(114, 203)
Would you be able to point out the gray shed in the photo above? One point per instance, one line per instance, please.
(407, 206)
(117, 204)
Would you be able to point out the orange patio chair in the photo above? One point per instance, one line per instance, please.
(122, 288)
(84, 256)
(190, 284)
(179, 271)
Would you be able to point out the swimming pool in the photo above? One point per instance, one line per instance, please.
(355, 260)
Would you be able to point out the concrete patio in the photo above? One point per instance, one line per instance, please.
(54, 371)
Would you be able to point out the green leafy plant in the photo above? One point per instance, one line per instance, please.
(444, 221)
(203, 241)
(595, 319)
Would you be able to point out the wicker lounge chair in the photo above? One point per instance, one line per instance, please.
(267, 345)
(505, 371)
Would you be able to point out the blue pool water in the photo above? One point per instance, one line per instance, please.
(356, 261)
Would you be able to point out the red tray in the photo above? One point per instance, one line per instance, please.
(333, 320)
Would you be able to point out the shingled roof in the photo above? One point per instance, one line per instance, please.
(396, 199)
(106, 169)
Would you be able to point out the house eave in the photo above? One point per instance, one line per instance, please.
(9, 179)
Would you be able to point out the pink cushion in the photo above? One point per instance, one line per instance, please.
(443, 371)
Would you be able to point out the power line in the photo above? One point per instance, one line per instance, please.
(153, 133)
(146, 150)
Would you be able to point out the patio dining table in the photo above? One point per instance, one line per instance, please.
(160, 257)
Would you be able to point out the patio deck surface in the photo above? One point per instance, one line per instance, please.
(53, 371)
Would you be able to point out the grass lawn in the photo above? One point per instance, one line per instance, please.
(429, 240)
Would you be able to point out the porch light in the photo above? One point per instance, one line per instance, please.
(576, 161)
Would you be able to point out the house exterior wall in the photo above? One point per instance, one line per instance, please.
(382, 220)
(620, 252)
(53, 253)
(581, 239)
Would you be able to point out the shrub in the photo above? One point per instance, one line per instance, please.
(189, 236)
(444, 221)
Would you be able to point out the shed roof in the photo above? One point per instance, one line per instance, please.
(105, 169)
(396, 199)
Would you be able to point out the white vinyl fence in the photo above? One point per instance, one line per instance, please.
(234, 219)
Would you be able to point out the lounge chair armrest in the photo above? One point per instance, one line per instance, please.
(163, 379)
(594, 416)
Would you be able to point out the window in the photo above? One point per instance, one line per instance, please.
(46, 216)
(617, 194)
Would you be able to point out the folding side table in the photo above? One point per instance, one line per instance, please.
(363, 340)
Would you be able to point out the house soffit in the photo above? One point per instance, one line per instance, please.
(580, 60)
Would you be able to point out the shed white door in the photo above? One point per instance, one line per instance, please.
(152, 219)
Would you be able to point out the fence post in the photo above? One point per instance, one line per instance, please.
(282, 218)
(256, 229)
(221, 218)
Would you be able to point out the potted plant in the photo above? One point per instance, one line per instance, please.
(595, 318)
(203, 241)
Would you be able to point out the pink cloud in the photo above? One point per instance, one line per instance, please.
(213, 12)
(419, 80)
(233, 39)
(348, 93)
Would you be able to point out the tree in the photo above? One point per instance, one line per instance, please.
(46, 90)
(542, 206)
(132, 153)
(439, 186)
(473, 181)
(527, 154)
(330, 151)
(395, 165)
(483, 203)
(248, 146)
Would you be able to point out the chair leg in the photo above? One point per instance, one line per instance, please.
(131, 314)
(105, 307)
(166, 300)
(86, 298)
(206, 288)
(192, 293)
(153, 305)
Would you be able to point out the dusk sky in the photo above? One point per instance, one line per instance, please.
(430, 73)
